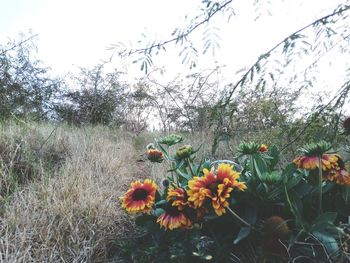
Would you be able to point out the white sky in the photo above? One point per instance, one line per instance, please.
(76, 32)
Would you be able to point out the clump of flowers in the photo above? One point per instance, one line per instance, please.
(338, 173)
(140, 197)
(212, 198)
(215, 187)
(333, 167)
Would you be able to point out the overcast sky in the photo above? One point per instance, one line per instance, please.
(75, 33)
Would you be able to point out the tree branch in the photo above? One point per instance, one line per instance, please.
(267, 54)
(18, 44)
(175, 39)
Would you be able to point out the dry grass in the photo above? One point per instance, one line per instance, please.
(67, 212)
(59, 189)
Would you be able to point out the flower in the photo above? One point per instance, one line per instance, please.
(215, 188)
(333, 167)
(338, 174)
(184, 152)
(263, 148)
(173, 218)
(311, 162)
(154, 155)
(177, 197)
(140, 197)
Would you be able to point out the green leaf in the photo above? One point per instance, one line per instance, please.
(346, 195)
(250, 214)
(327, 240)
(199, 167)
(159, 211)
(323, 221)
(160, 203)
(288, 172)
(148, 222)
(184, 175)
(163, 150)
(275, 154)
(295, 205)
(178, 165)
(259, 165)
(242, 234)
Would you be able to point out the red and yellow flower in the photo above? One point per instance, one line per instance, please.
(178, 197)
(140, 197)
(333, 167)
(173, 218)
(263, 148)
(329, 161)
(338, 174)
(215, 188)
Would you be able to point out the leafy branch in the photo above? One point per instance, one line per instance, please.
(295, 35)
(212, 12)
(3, 52)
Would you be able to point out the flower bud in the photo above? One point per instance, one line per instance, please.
(263, 148)
(248, 148)
(184, 152)
(170, 139)
(166, 183)
(155, 156)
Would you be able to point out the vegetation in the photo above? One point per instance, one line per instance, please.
(238, 171)
(206, 210)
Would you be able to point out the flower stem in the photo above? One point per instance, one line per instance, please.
(319, 185)
(238, 217)
(190, 166)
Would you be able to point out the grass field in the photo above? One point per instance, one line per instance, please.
(60, 189)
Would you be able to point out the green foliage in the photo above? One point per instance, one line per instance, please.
(26, 90)
(100, 99)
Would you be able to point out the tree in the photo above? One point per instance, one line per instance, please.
(99, 98)
(26, 90)
(185, 104)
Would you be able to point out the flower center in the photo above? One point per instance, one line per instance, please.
(172, 210)
(214, 187)
(139, 194)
